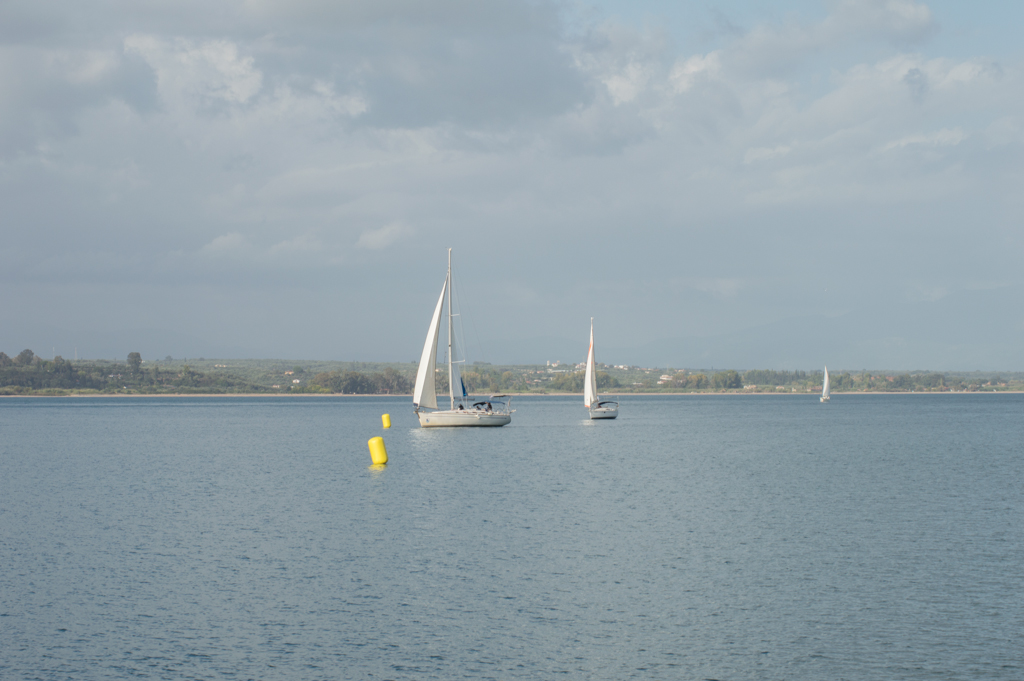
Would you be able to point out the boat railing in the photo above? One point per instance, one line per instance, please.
(504, 400)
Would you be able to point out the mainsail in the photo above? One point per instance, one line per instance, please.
(590, 380)
(425, 395)
(825, 390)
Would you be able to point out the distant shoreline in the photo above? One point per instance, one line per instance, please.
(522, 395)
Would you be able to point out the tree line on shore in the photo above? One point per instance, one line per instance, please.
(26, 373)
(390, 381)
(759, 380)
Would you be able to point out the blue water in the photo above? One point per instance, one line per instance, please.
(696, 537)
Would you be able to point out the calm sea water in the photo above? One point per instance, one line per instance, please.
(708, 537)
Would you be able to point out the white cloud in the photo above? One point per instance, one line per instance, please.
(302, 245)
(625, 61)
(346, 105)
(304, 250)
(765, 153)
(227, 245)
(85, 67)
(773, 49)
(207, 70)
(385, 236)
(939, 138)
(627, 83)
(894, 19)
(687, 71)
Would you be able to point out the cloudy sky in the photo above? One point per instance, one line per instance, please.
(736, 184)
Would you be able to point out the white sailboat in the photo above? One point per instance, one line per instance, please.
(825, 396)
(598, 409)
(464, 411)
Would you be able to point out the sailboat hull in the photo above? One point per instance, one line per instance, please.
(607, 409)
(604, 413)
(459, 418)
(825, 399)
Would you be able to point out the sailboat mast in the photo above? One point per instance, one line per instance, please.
(451, 384)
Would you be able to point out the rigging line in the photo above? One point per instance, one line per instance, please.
(460, 332)
(473, 329)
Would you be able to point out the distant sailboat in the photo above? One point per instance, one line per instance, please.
(825, 397)
(598, 409)
(489, 412)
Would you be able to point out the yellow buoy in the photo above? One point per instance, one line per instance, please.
(386, 418)
(377, 450)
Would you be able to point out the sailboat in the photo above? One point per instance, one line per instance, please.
(825, 397)
(464, 411)
(598, 409)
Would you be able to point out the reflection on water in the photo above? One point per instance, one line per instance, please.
(693, 537)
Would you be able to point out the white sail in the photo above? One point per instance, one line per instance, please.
(825, 390)
(590, 380)
(425, 395)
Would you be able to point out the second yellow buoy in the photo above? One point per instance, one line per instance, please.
(386, 418)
